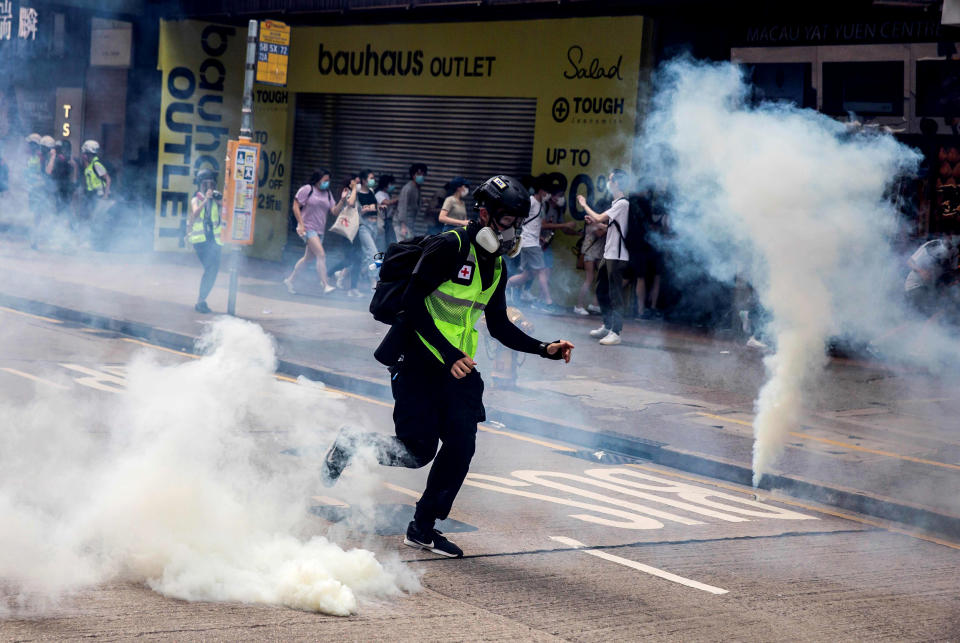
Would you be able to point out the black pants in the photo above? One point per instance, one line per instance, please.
(433, 408)
(610, 293)
(209, 253)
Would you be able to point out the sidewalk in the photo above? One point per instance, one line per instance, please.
(876, 441)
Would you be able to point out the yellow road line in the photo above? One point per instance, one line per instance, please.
(28, 376)
(20, 312)
(803, 505)
(160, 348)
(372, 400)
(543, 443)
(845, 445)
(403, 490)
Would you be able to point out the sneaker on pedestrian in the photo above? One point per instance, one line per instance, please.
(612, 339)
(337, 457)
(432, 540)
(593, 308)
(577, 310)
(601, 332)
(202, 307)
(353, 292)
(288, 282)
(339, 277)
(753, 342)
(328, 289)
(526, 295)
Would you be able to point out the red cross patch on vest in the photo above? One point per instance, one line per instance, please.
(465, 274)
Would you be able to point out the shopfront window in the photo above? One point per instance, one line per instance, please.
(790, 82)
(864, 88)
(938, 88)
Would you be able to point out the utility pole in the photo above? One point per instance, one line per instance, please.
(246, 133)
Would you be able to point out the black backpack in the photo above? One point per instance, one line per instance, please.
(400, 261)
(635, 239)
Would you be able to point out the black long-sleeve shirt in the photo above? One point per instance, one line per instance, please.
(441, 260)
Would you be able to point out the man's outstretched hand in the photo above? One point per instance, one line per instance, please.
(563, 347)
(462, 367)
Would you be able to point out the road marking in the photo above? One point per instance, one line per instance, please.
(810, 507)
(329, 502)
(159, 348)
(97, 379)
(845, 445)
(20, 312)
(371, 400)
(28, 376)
(626, 562)
(403, 490)
(628, 520)
(543, 443)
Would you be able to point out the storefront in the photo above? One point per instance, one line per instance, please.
(899, 73)
(467, 99)
(65, 75)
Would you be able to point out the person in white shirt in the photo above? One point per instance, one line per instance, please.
(532, 263)
(932, 264)
(615, 257)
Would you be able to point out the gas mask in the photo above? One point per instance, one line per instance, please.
(500, 242)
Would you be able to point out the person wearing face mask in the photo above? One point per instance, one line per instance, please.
(387, 203)
(366, 241)
(437, 389)
(312, 205)
(409, 205)
(532, 262)
(453, 212)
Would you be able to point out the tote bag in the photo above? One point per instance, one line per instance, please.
(347, 223)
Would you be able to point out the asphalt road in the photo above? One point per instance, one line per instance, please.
(559, 544)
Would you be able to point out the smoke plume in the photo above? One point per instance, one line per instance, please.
(792, 201)
(181, 484)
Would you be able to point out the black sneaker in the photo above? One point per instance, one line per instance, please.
(432, 541)
(337, 458)
(202, 307)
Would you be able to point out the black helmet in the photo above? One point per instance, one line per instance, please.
(502, 196)
(206, 174)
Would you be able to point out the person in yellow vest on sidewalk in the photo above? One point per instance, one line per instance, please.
(96, 179)
(437, 390)
(205, 231)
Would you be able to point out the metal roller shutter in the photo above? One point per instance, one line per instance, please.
(471, 137)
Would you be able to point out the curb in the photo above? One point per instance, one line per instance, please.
(656, 452)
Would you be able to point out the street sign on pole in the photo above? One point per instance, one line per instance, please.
(240, 191)
(273, 51)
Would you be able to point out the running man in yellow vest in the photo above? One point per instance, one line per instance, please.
(204, 231)
(437, 390)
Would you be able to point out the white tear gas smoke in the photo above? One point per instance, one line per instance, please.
(180, 483)
(794, 202)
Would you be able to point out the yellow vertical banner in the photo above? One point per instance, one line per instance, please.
(271, 107)
(202, 66)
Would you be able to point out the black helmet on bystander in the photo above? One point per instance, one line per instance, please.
(205, 174)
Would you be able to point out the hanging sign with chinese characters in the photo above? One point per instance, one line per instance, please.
(240, 191)
(26, 21)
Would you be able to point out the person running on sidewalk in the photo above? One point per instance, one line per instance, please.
(615, 258)
(437, 390)
(311, 206)
(204, 231)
